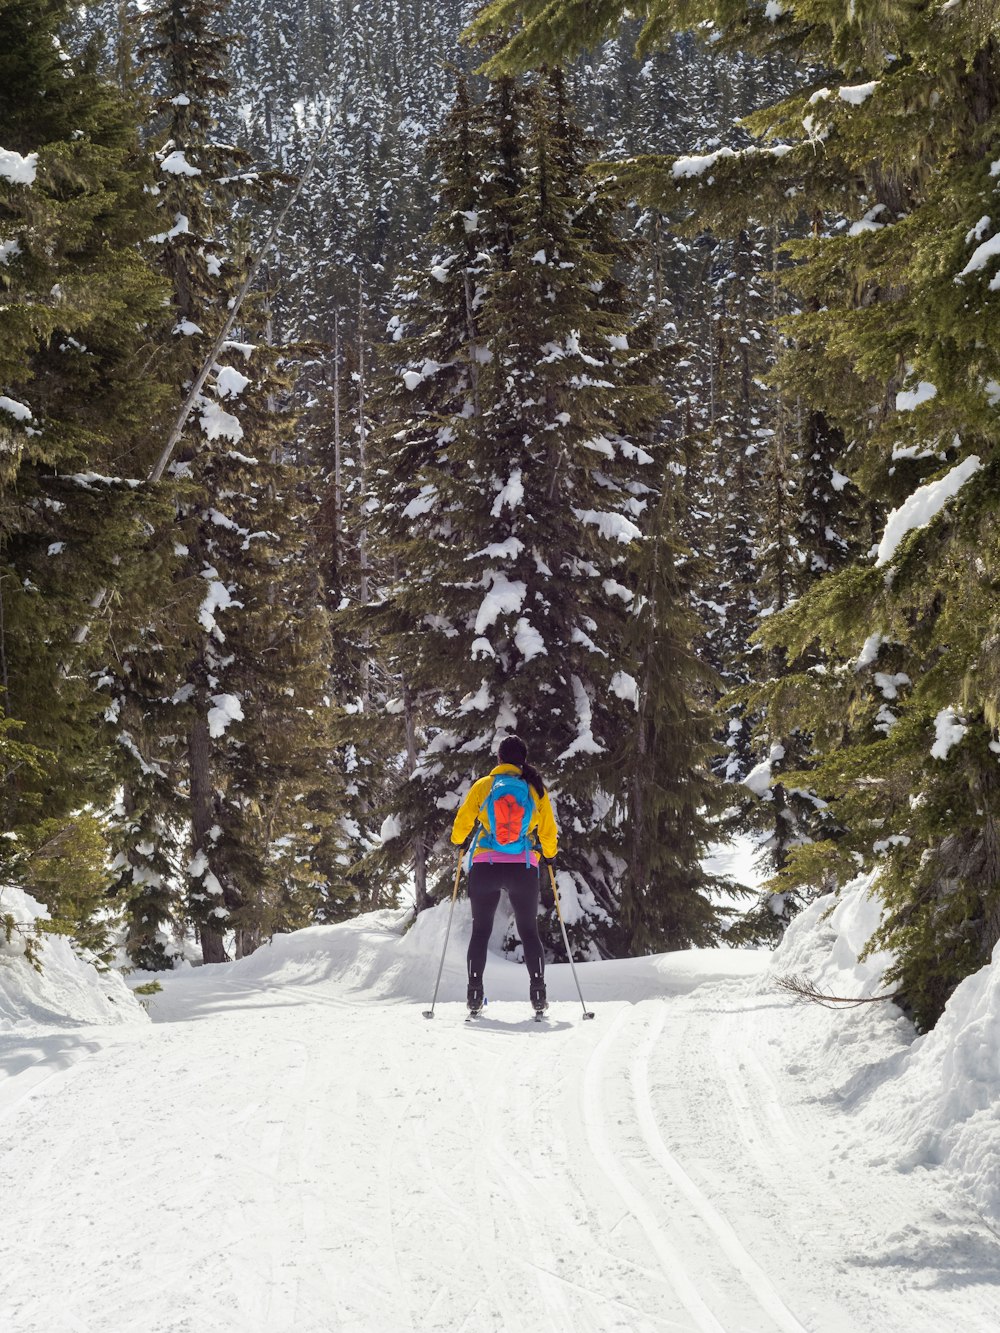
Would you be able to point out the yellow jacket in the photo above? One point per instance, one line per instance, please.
(542, 822)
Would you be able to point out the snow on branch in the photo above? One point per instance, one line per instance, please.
(17, 169)
(684, 168)
(19, 411)
(505, 597)
(612, 526)
(948, 731)
(176, 164)
(924, 504)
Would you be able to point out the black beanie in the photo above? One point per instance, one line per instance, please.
(512, 751)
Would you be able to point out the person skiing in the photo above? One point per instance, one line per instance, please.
(512, 817)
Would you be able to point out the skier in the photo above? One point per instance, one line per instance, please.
(508, 809)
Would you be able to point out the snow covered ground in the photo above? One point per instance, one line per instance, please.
(290, 1147)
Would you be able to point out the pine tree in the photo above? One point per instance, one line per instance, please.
(430, 396)
(82, 311)
(225, 718)
(268, 655)
(896, 286)
(158, 699)
(670, 796)
(521, 624)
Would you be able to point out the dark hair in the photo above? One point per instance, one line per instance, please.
(513, 750)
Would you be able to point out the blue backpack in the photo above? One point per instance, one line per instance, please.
(509, 808)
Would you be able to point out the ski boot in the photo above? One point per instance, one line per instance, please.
(539, 1000)
(475, 998)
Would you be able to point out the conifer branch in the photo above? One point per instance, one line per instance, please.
(160, 465)
(156, 472)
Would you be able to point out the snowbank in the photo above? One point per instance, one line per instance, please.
(389, 958)
(67, 992)
(915, 1101)
(945, 1105)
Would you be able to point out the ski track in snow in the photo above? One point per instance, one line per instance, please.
(300, 1156)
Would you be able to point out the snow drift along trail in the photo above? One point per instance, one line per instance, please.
(291, 1148)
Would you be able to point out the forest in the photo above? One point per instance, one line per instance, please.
(378, 379)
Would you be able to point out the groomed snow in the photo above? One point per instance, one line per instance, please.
(291, 1148)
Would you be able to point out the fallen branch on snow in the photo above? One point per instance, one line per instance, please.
(803, 989)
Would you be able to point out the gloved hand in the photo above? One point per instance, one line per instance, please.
(545, 887)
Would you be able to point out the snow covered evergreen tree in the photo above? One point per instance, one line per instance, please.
(222, 723)
(79, 390)
(431, 395)
(898, 294)
(670, 796)
(526, 489)
(268, 652)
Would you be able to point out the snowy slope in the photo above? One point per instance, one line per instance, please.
(291, 1148)
(66, 992)
(915, 1103)
(52, 1019)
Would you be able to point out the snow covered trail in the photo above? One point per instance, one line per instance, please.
(291, 1148)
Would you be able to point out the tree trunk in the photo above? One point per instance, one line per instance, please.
(418, 844)
(213, 947)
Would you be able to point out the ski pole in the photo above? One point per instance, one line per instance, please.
(562, 926)
(429, 1013)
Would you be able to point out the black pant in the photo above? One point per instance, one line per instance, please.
(486, 879)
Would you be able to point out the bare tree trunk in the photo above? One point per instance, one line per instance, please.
(363, 471)
(337, 466)
(248, 940)
(470, 328)
(203, 814)
(363, 562)
(418, 844)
